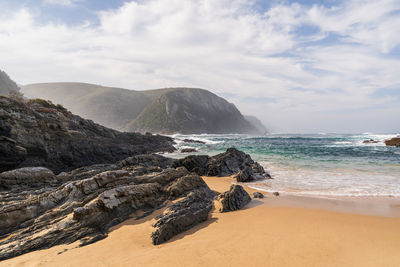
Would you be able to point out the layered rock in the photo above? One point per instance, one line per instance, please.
(228, 163)
(27, 177)
(183, 215)
(82, 204)
(234, 199)
(84, 209)
(39, 133)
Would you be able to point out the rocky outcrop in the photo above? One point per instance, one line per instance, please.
(41, 210)
(183, 215)
(231, 162)
(234, 199)
(39, 133)
(370, 141)
(258, 195)
(93, 200)
(393, 142)
(11, 155)
(27, 178)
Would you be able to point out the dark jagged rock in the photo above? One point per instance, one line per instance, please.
(57, 139)
(183, 215)
(228, 163)
(197, 164)
(185, 184)
(234, 199)
(245, 175)
(27, 177)
(258, 195)
(393, 142)
(11, 155)
(370, 141)
(188, 150)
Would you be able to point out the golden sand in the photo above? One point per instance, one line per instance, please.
(259, 235)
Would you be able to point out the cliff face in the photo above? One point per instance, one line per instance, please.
(256, 123)
(171, 110)
(6, 84)
(39, 133)
(188, 111)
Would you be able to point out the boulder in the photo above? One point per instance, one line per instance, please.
(27, 177)
(224, 164)
(393, 142)
(234, 199)
(228, 163)
(370, 141)
(258, 195)
(183, 215)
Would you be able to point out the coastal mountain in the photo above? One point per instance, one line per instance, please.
(188, 110)
(108, 106)
(256, 123)
(169, 110)
(6, 84)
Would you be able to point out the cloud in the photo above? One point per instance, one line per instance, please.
(62, 2)
(338, 56)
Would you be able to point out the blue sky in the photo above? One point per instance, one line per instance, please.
(300, 66)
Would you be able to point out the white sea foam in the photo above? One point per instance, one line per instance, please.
(339, 182)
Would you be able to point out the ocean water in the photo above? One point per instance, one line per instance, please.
(314, 164)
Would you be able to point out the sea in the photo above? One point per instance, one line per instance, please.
(313, 164)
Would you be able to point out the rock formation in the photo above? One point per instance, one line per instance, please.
(393, 142)
(39, 133)
(84, 209)
(258, 195)
(228, 163)
(234, 199)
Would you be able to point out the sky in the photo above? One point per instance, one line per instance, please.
(300, 66)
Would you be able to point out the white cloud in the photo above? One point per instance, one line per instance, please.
(228, 47)
(62, 2)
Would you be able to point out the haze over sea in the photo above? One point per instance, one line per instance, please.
(315, 164)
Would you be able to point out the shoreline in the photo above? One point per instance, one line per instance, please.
(373, 206)
(266, 232)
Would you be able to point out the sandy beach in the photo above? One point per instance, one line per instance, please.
(275, 231)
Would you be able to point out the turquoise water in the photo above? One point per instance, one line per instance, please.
(315, 164)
